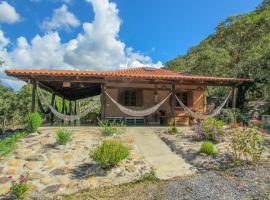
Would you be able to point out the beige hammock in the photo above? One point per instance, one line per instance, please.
(63, 116)
(138, 113)
(200, 115)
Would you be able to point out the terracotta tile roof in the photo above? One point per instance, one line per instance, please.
(140, 72)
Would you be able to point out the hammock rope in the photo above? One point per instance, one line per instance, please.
(200, 115)
(63, 116)
(41, 109)
(138, 113)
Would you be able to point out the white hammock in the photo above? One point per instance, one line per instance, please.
(138, 113)
(63, 116)
(200, 115)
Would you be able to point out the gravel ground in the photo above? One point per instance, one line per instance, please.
(241, 183)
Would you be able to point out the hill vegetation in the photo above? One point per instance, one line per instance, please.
(240, 47)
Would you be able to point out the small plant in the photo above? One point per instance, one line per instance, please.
(209, 148)
(247, 143)
(8, 144)
(18, 187)
(150, 177)
(63, 136)
(110, 153)
(172, 129)
(210, 129)
(34, 122)
(111, 128)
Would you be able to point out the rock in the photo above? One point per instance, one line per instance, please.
(61, 171)
(5, 188)
(12, 171)
(130, 168)
(31, 165)
(46, 180)
(50, 163)
(14, 163)
(38, 157)
(139, 162)
(63, 180)
(32, 188)
(67, 156)
(23, 153)
(35, 175)
(3, 180)
(44, 141)
(90, 182)
(52, 188)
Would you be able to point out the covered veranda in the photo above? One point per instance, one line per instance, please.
(155, 85)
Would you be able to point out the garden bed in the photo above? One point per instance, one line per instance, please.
(53, 169)
(184, 145)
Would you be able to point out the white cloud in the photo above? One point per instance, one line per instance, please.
(3, 40)
(8, 13)
(61, 19)
(98, 47)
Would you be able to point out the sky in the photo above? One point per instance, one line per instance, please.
(105, 34)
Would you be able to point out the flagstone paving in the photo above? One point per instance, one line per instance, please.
(56, 170)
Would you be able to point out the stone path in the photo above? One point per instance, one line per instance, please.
(53, 170)
(165, 163)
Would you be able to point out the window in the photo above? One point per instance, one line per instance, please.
(183, 96)
(131, 97)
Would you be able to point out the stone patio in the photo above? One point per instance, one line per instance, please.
(54, 170)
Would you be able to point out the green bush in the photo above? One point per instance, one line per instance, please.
(209, 148)
(111, 128)
(172, 129)
(63, 136)
(7, 145)
(110, 153)
(247, 143)
(34, 122)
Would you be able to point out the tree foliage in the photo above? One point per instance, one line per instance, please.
(240, 47)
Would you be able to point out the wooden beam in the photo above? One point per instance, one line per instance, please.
(63, 109)
(53, 104)
(70, 109)
(103, 101)
(34, 88)
(173, 100)
(234, 96)
(75, 111)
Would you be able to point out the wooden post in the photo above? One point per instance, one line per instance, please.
(103, 101)
(70, 110)
(75, 112)
(53, 105)
(34, 88)
(173, 102)
(234, 97)
(63, 109)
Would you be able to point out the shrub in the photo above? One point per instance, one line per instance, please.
(209, 148)
(7, 145)
(247, 143)
(20, 187)
(173, 129)
(63, 136)
(111, 128)
(209, 129)
(110, 153)
(34, 122)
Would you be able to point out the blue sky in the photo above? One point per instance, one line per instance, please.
(103, 34)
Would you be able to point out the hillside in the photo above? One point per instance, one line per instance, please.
(240, 47)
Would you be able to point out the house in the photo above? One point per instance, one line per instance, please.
(135, 89)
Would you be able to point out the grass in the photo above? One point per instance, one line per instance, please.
(8, 145)
(63, 136)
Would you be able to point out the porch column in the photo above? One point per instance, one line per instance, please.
(63, 109)
(70, 110)
(34, 88)
(75, 112)
(53, 105)
(173, 101)
(103, 101)
(234, 96)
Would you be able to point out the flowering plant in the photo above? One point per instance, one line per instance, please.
(210, 129)
(18, 187)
